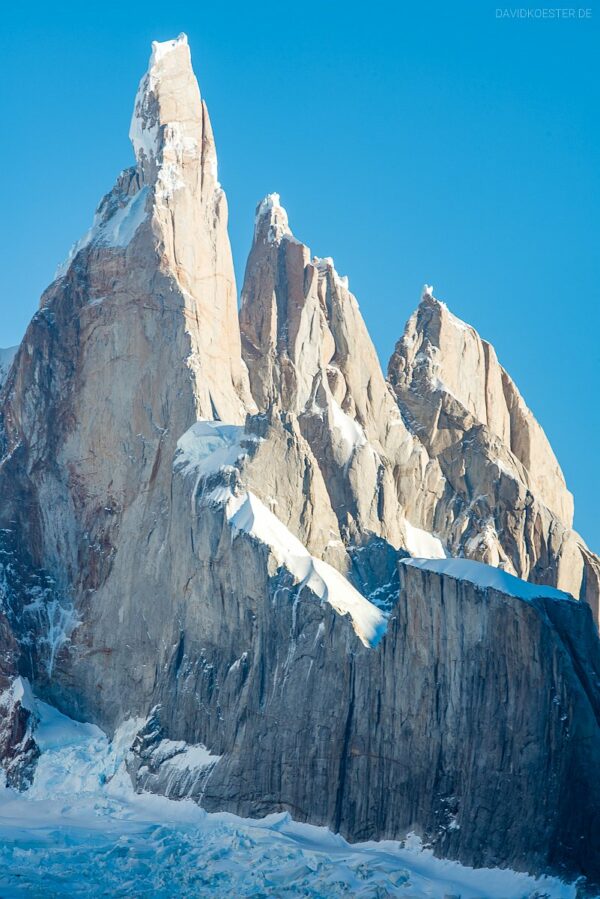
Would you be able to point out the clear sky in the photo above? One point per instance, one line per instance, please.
(412, 142)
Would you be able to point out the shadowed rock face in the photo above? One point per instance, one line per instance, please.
(18, 750)
(6, 358)
(190, 513)
(471, 700)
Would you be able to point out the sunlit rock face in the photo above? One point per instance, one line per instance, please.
(176, 157)
(439, 351)
(205, 524)
(509, 504)
(135, 340)
(308, 352)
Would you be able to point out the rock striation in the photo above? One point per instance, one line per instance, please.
(207, 525)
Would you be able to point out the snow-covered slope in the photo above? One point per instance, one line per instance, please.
(209, 448)
(247, 513)
(486, 576)
(82, 831)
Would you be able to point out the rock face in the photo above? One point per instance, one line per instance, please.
(6, 357)
(509, 504)
(438, 351)
(140, 326)
(308, 352)
(176, 157)
(18, 750)
(408, 739)
(207, 526)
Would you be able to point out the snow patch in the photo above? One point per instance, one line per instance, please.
(144, 130)
(422, 543)
(486, 576)
(160, 49)
(325, 265)
(116, 231)
(211, 446)
(348, 431)
(270, 210)
(184, 756)
(18, 691)
(119, 230)
(177, 147)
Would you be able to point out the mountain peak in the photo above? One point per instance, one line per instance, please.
(441, 356)
(169, 210)
(271, 220)
(438, 312)
(201, 520)
(169, 126)
(326, 266)
(161, 48)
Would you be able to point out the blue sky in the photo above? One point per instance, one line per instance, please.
(412, 142)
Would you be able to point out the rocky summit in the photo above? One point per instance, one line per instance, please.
(302, 585)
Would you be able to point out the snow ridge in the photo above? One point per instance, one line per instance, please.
(421, 543)
(486, 576)
(247, 513)
(117, 230)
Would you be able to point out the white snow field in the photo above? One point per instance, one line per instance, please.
(421, 543)
(486, 576)
(80, 830)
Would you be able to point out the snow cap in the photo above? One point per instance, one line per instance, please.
(161, 48)
(271, 220)
(326, 265)
(167, 106)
